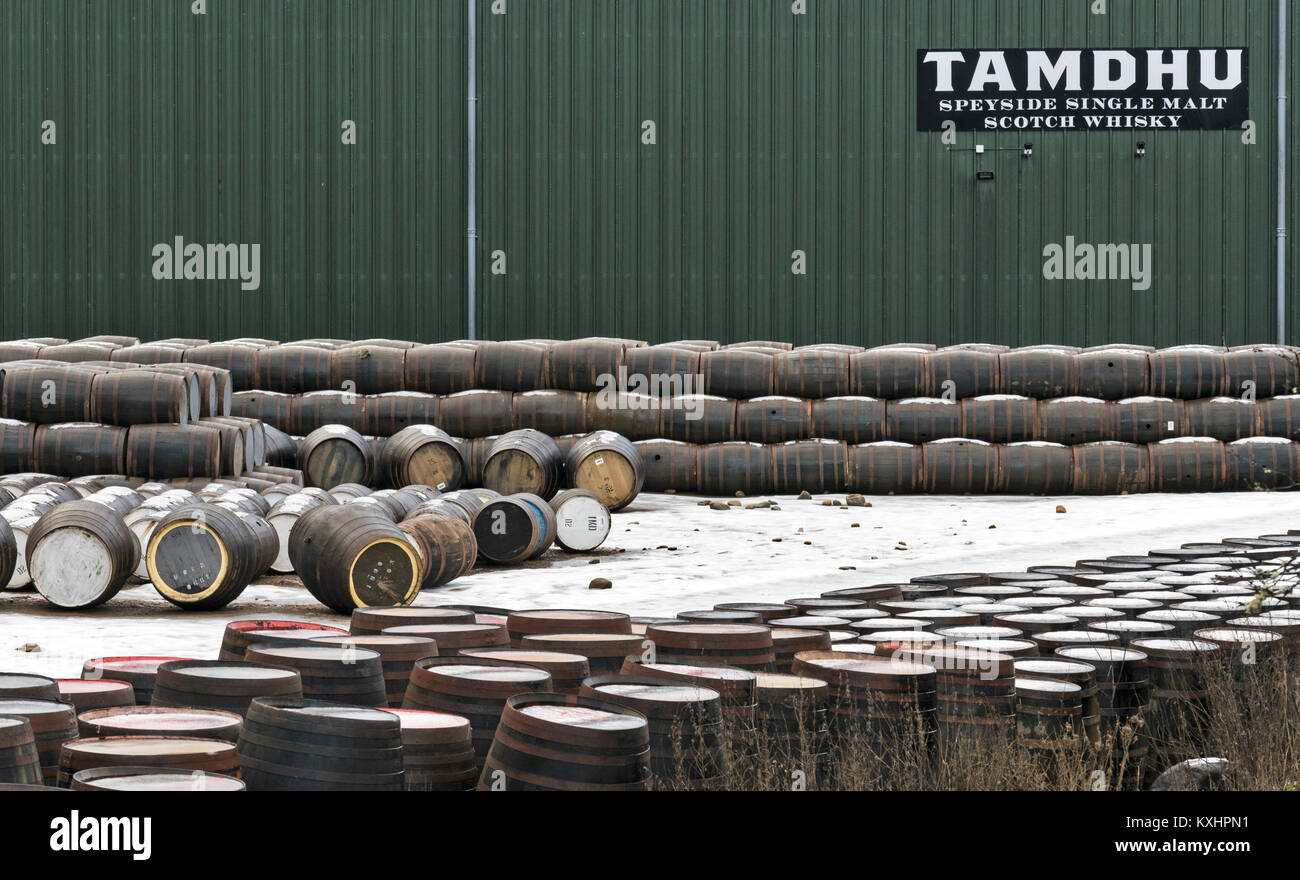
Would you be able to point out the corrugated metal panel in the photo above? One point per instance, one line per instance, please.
(779, 132)
(225, 127)
(776, 132)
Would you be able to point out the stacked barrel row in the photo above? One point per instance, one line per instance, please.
(740, 370)
(775, 418)
(145, 420)
(958, 466)
(1118, 660)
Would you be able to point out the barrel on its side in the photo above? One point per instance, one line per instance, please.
(167, 451)
(885, 468)
(525, 460)
(80, 554)
(425, 455)
(349, 557)
(1111, 468)
(335, 454)
(608, 465)
(202, 556)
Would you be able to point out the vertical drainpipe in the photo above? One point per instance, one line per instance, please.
(471, 234)
(1281, 171)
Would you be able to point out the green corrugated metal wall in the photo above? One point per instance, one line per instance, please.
(226, 127)
(775, 132)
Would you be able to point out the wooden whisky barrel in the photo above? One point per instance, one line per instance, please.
(335, 454)
(608, 465)
(102, 694)
(309, 745)
(20, 762)
(561, 742)
(1036, 468)
(738, 466)
(237, 358)
(885, 468)
(999, 418)
(773, 419)
(80, 554)
(476, 688)
(348, 557)
(447, 546)
(698, 418)
(1111, 468)
(167, 451)
(477, 413)
(203, 556)
(219, 684)
(1113, 373)
(445, 368)
(1041, 372)
(1272, 368)
(1188, 464)
(367, 369)
(525, 460)
(890, 373)
(956, 466)
(292, 369)
(1262, 463)
(812, 373)
(514, 528)
(426, 455)
(922, 419)
(849, 419)
(189, 753)
(669, 465)
(130, 397)
(345, 673)
(50, 723)
(582, 520)
(1189, 372)
(580, 364)
(511, 366)
(437, 751)
(1074, 420)
(75, 449)
(738, 373)
(816, 466)
(1223, 418)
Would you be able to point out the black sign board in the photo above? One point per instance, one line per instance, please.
(1171, 89)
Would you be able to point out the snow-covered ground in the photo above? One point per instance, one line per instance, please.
(667, 554)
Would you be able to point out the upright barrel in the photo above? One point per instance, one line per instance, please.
(309, 745)
(559, 742)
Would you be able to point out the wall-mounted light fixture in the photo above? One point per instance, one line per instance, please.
(983, 175)
(1027, 151)
(1140, 150)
